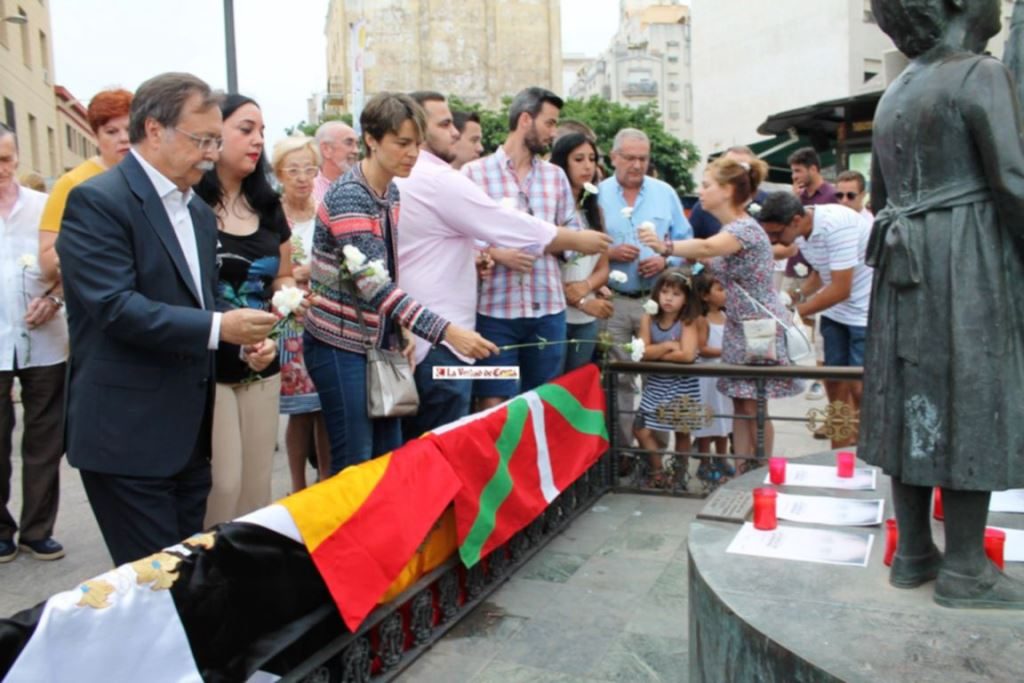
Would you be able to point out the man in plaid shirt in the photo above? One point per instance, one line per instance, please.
(523, 301)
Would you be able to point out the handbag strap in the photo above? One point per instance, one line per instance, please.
(764, 308)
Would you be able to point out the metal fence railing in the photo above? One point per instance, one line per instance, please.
(631, 464)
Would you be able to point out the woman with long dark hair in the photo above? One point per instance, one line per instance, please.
(582, 276)
(254, 253)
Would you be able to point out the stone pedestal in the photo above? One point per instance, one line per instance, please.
(760, 619)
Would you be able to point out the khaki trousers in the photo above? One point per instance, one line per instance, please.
(245, 424)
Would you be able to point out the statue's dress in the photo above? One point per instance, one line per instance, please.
(944, 366)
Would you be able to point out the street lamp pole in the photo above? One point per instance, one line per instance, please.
(229, 44)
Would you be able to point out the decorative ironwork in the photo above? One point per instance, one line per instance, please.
(448, 588)
(355, 662)
(518, 546)
(422, 621)
(685, 414)
(838, 421)
(535, 531)
(497, 563)
(475, 580)
(321, 674)
(392, 641)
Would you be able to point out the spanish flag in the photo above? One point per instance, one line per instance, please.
(363, 525)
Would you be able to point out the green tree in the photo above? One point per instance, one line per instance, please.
(674, 159)
(309, 129)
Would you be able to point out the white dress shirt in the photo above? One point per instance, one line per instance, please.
(46, 344)
(176, 204)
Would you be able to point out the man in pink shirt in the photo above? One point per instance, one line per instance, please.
(444, 215)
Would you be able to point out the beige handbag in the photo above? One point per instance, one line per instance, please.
(390, 382)
(798, 346)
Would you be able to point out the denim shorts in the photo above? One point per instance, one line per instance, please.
(844, 344)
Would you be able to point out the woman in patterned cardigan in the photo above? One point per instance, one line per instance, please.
(355, 235)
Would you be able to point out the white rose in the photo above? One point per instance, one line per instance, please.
(647, 225)
(508, 203)
(590, 188)
(800, 270)
(785, 299)
(618, 276)
(651, 307)
(377, 271)
(287, 300)
(627, 212)
(27, 261)
(354, 258)
(636, 349)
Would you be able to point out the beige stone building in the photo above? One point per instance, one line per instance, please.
(77, 141)
(648, 61)
(481, 50)
(26, 76)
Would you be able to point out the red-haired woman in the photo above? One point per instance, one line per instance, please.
(108, 118)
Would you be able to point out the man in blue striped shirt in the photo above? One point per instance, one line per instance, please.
(629, 199)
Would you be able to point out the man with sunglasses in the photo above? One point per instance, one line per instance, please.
(138, 257)
(851, 191)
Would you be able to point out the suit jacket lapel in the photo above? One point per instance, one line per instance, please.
(154, 209)
(206, 244)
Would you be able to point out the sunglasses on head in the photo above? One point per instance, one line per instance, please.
(850, 196)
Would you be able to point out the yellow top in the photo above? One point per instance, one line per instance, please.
(54, 211)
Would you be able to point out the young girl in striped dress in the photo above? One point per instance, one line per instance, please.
(669, 335)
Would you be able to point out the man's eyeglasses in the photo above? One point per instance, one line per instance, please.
(849, 196)
(631, 159)
(205, 143)
(295, 172)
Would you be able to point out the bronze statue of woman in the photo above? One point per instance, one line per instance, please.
(944, 367)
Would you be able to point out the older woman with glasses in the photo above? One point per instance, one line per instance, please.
(295, 162)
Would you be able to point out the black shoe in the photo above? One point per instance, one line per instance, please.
(46, 549)
(911, 572)
(8, 551)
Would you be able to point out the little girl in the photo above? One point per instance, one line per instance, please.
(710, 328)
(669, 335)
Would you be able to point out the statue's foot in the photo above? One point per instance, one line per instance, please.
(992, 589)
(912, 571)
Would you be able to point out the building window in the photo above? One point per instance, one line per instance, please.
(33, 138)
(51, 149)
(26, 49)
(44, 57)
(9, 115)
(673, 59)
(688, 102)
(3, 25)
(67, 131)
(872, 67)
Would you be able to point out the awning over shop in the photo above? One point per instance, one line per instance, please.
(775, 152)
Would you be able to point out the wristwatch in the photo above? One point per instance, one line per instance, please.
(57, 301)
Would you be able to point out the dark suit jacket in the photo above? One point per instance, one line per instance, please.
(140, 377)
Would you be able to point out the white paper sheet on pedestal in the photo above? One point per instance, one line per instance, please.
(1007, 501)
(830, 511)
(804, 544)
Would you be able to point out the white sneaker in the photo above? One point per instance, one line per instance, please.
(816, 392)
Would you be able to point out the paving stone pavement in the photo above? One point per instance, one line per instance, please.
(604, 601)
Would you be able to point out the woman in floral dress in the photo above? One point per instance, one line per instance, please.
(295, 163)
(742, 260)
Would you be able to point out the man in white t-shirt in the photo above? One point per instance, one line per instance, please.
(833, 239)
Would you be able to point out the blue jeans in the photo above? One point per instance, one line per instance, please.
(844, 344)
(340, 379)
(441, 400)
(578, 355)
(536, 365)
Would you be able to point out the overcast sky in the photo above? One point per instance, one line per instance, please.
(280, 46)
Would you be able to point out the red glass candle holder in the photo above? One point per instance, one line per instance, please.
(777, 470)
(892, 537)
(937, 511)
(995, 542)
(844, 464)
(764, 509)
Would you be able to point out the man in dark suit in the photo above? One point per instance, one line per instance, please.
(138, 259)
